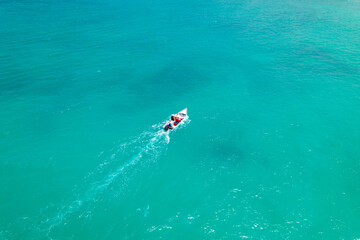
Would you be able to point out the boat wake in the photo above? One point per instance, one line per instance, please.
(117, 166)
(145, 148)
(142, 149)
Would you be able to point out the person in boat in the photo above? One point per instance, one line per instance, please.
(177, 119)
(169, 126)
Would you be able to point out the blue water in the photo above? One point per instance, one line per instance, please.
(271, 149)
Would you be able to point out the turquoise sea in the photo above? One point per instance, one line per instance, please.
(271, 149)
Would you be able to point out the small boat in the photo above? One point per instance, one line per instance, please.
(176, 120)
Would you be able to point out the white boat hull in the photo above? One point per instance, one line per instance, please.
(170, 125)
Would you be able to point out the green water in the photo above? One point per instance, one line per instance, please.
(271, 149)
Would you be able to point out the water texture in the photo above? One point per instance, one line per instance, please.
(271, 150)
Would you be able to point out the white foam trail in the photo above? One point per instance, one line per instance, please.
(155, 143)
(146, 147)
(150, 146)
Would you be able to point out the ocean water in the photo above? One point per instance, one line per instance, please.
(271, 149)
